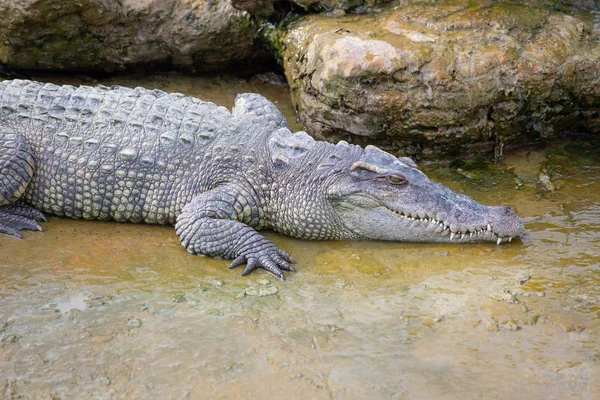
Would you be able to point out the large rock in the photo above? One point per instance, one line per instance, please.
(109, 35)
(445, 77)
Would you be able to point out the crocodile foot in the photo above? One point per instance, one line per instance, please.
(271, 259)
(19, 216)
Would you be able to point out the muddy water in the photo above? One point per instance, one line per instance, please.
(106, 310)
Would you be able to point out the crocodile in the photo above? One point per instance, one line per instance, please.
(219, 176)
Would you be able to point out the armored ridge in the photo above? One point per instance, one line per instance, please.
(147, 156)
(111, 153)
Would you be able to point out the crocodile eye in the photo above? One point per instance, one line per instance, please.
(279, 164)
(396, 180)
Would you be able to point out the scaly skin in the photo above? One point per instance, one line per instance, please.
(147, 156)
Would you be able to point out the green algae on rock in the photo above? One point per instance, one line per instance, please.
(439, 79)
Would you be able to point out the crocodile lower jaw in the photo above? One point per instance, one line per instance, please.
(443, 229)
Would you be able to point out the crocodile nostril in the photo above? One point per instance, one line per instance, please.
(507, 210)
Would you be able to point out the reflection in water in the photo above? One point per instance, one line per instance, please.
(108, 310)
(74, 302)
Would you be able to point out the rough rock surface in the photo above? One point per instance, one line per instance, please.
(264, 8)
(445, 77)
(112, 35)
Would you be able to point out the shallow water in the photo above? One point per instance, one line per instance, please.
(106, 310)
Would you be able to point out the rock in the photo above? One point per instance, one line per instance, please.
(523, 278)
(513, 326)
(9, 338)
(340, 283)
(438, 78)
(544, 183)
(113, 35)
(270, 78)
(492, 326)
(73, 314)
(510, 296)
(259, 291)
(134, 323)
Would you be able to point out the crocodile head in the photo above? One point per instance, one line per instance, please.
(343, 191)
(379, 196)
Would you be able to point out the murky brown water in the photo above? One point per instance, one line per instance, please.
(105, 310)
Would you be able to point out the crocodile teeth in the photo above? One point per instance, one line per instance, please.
(445, 228)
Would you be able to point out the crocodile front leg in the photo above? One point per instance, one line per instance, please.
(216, 224)
(16, 171)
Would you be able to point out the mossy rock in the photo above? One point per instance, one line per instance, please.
(444, 78)
(94, 35)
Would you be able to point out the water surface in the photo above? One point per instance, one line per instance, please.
(104, 310)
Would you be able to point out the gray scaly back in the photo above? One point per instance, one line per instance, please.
(147, 156)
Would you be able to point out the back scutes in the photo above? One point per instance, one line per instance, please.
(16, 166)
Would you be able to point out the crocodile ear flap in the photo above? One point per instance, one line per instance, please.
(285, 146)
(408, 161)
(375, 156)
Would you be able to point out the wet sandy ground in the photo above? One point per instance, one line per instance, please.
(96, 310)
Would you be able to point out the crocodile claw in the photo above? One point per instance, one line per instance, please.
(17, 217)
(274, 261)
